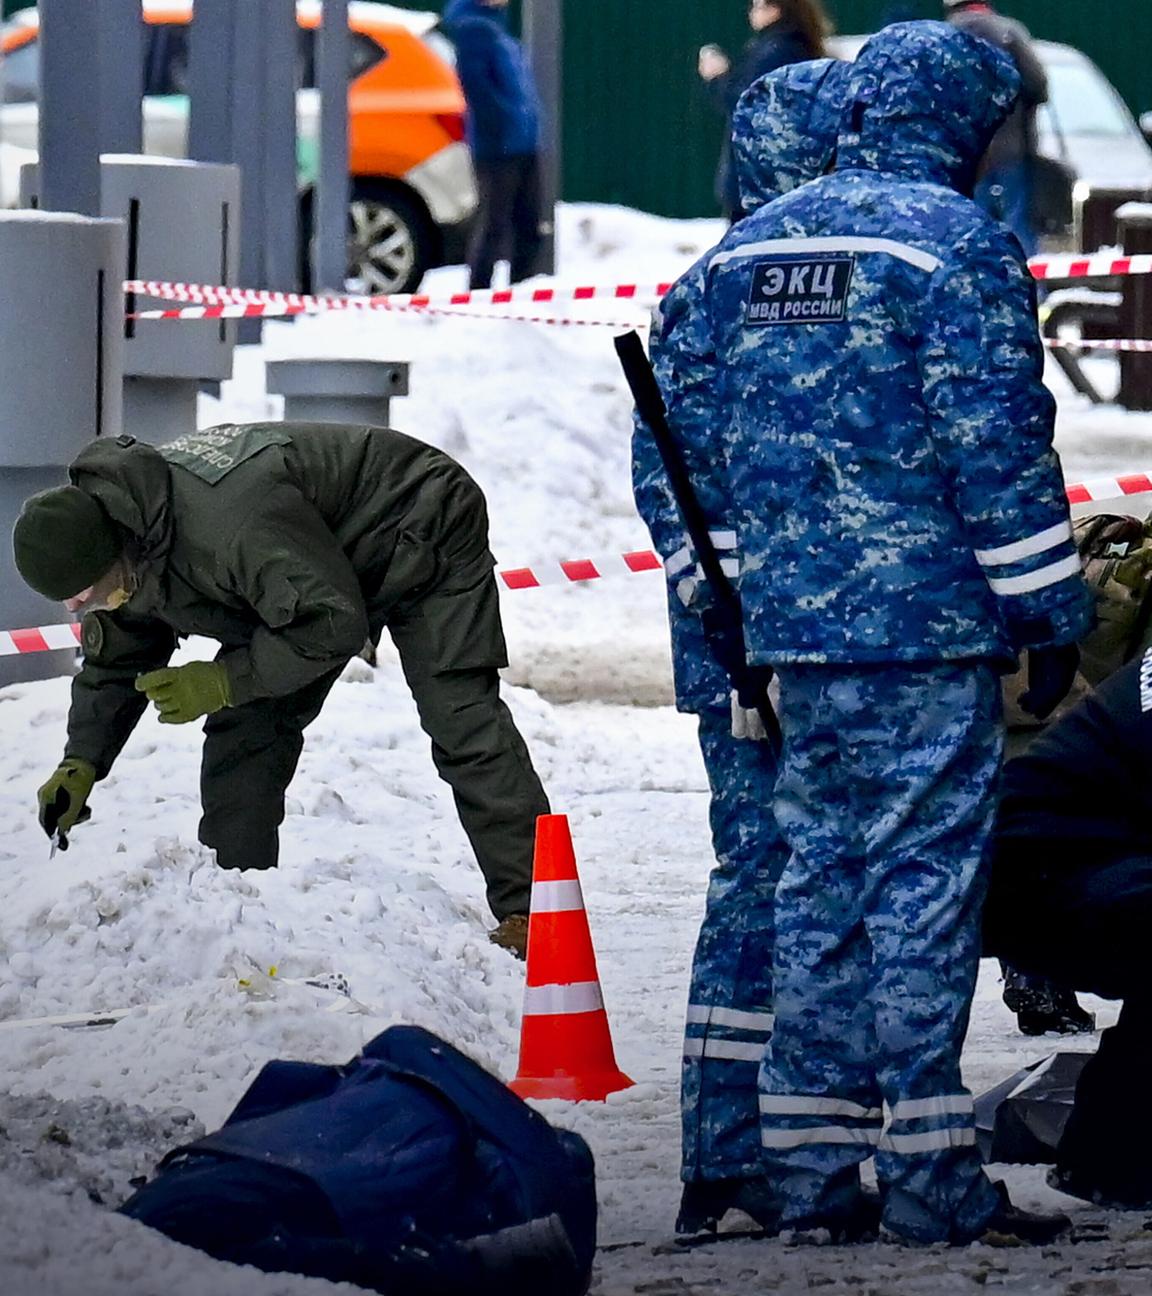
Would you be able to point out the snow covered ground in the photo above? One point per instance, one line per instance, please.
(376, 880)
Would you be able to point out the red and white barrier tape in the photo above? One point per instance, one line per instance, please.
(1103, 265)
(580, 569)
(210, 301)
(39, 639)
(1098, 344)
(571, 572)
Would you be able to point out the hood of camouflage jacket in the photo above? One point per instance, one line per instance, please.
(132, 482)
(923, 102)
(785, 127)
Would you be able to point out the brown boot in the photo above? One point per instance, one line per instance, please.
(512, 935)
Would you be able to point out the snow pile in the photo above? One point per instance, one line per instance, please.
(377, 883)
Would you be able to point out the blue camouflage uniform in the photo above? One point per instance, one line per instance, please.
(784, 131)
(872, 339)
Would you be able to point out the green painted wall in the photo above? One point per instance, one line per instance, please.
(637, 129)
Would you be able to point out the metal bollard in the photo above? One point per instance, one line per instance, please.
(337, 391)
(183, 225)
(1135, 222)
(61, 367)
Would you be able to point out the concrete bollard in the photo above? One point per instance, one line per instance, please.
(61, 368)
(337, 391)
(1135, 223)
(183, 226)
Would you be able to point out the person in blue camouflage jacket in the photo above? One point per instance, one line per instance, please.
(784, 133)
(868, 348)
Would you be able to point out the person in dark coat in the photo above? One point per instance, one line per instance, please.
(1004, 187)
(292, 545)
(504, 136)
(1071, 899)
(784, 31)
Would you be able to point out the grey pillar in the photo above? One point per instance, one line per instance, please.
(60, 376)
(182, 221)
(543, 27)
(243, 110)
(337, 391)
(330, 246)
(91, 82)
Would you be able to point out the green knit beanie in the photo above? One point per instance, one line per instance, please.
(63, 542)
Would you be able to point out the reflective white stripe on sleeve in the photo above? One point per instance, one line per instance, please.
(1039, 579)
(933, 1141)
(556, 897)
(913, 256)
(779, 1138)
(740, 1018)
(947, 1105)
(1039, 543)
(554, 1000)
(812, 1105)
(724, 1050)
(676, 563)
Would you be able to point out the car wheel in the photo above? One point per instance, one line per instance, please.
(391, 240)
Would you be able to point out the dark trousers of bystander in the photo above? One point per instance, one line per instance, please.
(507, 219)
(1056, 911)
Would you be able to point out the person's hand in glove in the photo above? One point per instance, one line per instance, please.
(185, 693)
(1051, 672)
(64, 796)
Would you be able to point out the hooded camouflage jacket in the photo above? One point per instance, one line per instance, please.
(285, 542)
(784, 134)
(869, 350)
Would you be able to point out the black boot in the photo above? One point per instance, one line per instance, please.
(1041, 1005)
(1029, 1227)
(705, 1202)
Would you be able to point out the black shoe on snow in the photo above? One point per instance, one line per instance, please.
(1029, 1227)
(1065, 1019)
(512, 935)
(705, 1202)
(1042, 1006)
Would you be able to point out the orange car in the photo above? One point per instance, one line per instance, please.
(413, 191)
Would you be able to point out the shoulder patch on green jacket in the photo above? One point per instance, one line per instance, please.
(212, 453)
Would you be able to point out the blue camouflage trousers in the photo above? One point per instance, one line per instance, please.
(885, 796)
(730, 998)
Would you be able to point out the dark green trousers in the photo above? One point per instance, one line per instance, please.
(451, 646)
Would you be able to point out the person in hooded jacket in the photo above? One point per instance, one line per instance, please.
(783, 32)
(784, 134)
(292, 545)
(503, 125)
(871, 356)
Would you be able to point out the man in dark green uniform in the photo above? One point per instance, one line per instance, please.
(292, 545)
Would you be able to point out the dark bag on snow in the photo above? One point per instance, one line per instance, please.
(410, 1170)
(1021, 1120)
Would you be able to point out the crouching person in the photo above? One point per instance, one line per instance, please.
(291, 545)
(1071, 899)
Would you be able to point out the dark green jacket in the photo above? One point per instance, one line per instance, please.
(286, 542)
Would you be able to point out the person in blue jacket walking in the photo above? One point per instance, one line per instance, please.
(871, 360)
(503, 125)
(784, 133)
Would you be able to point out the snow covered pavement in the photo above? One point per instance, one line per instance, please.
(376, 881)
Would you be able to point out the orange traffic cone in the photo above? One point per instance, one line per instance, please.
(565, 1042)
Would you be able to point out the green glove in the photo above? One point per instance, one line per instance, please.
(64, 796)
(185, 693)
